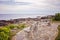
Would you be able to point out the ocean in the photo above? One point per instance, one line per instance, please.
(15, 16)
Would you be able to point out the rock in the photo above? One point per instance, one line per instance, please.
(37, 31)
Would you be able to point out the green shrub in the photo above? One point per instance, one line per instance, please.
(11, 26)
(21, 26)
(4, 33)
(57, 17)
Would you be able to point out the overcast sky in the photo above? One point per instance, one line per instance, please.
(29, 6)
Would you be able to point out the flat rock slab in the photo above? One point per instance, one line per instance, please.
(38, 32)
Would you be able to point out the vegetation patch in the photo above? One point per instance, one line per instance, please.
(4, 33)
(58, 37)
(7, 32)
(57, 17)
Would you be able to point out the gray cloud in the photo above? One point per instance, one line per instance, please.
(10, 2)
(53, 2)
(36, 7)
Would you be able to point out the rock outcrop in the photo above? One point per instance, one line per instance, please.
(38, 31)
